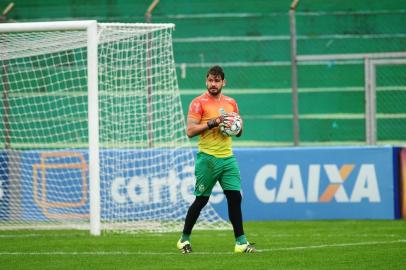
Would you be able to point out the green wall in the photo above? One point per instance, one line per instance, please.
(250, 39)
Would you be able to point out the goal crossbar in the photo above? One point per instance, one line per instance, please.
(46, 26)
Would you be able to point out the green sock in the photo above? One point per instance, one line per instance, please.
(241, 240)
(185, 237)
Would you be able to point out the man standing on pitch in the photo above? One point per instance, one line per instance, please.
(215, 160)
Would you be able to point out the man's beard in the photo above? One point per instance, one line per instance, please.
(214, 91)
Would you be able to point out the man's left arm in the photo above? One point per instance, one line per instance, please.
(236, 110)
(240, 133)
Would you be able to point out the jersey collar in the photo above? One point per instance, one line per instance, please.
(213, 98)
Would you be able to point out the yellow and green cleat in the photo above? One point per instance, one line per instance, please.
(185, 246)
(244, 248)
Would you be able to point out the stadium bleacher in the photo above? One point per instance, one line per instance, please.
(250, 39)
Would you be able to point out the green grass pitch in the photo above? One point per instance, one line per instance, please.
(283, 245)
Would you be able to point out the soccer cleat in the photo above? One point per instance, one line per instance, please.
(184, 247)
(245, 248)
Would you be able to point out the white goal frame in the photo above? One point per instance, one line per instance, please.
(138, 182)
(93, 104)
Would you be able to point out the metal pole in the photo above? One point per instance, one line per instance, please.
(6, 86)
(370, 102)
(293, 53)
(148, 19)
(6, 105)
(367, 85)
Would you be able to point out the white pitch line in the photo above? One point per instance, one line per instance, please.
(39, 235)
(370, 243)
(128, 253)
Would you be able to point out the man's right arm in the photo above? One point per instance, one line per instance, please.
(195, 127)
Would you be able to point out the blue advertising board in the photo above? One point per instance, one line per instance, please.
(277, 184)
(54, 185)
(317, 183)
(133, 184)
(4, 190)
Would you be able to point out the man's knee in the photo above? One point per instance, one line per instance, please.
(233, 196)
(200, 202)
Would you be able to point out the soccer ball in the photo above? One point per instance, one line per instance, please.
(231, 126)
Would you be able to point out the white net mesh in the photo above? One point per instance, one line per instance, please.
(146, 163)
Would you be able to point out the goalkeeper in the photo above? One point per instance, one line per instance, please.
(215, 160)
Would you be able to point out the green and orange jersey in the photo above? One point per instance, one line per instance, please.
(206, 107)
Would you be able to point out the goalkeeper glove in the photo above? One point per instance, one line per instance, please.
(215, 122)
(230, 118)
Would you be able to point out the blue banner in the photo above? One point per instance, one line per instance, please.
(4, 184)
(316, 183)
(277, 184)
(54, 185)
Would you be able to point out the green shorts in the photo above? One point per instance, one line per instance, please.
(210, 169)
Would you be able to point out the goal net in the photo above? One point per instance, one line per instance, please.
(97, 140)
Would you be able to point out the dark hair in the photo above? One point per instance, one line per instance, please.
(216, 71)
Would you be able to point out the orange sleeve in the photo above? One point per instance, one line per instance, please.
(195, 110)
(235, 106)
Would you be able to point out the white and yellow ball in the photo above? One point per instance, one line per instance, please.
(232, 125)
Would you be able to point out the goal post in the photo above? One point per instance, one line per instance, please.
(83, 99)
(93, 119)
(92, 81)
